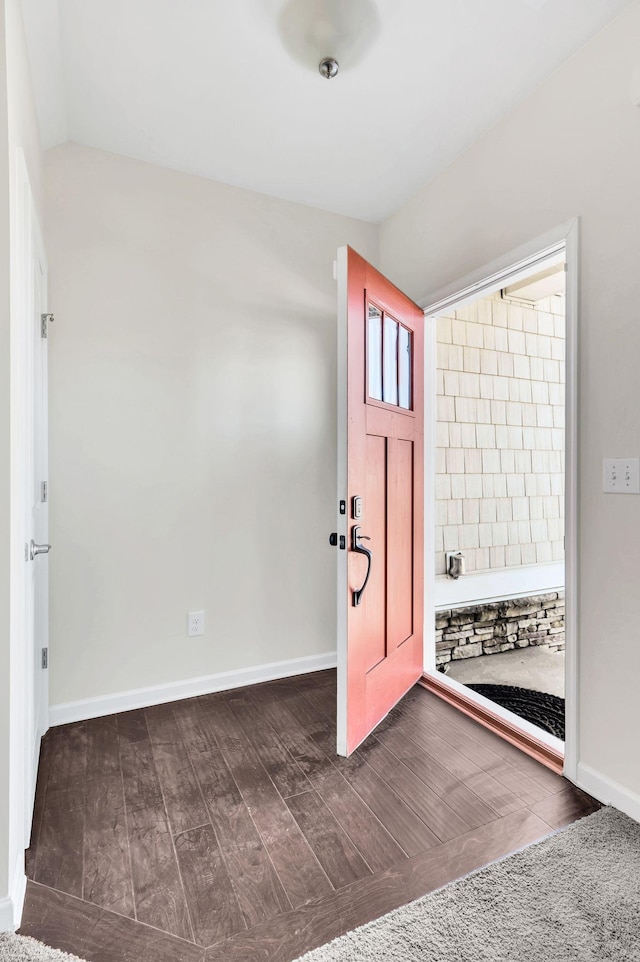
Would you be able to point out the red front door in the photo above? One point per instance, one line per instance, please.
(381, 477)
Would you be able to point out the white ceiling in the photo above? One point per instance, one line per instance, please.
(205, 86)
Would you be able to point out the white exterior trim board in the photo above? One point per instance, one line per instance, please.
(497, 585)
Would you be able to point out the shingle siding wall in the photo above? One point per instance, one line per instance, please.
(500, 434)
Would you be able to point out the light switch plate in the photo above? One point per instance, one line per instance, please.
(621, 475)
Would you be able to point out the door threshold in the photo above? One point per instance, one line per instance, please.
(546, 749)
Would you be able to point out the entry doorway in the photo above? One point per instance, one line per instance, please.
(500, 520)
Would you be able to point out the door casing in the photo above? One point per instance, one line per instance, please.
(29, 516)
(514, 265)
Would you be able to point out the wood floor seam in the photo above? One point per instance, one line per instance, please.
(495, 815)
(257, 827)
(250, 815)
(337, 771)
(424, 751)
(370, 810)
(431, 826)
(193, 828)
(377, 819)
(108, 912)
(523, 762)
(428, 787)
(223, 857)
(172, 840)
(126, 821)
(171, 836)
(469, 748)
(391, 787)
(186, 902)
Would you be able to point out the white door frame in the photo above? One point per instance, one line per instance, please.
(29, 691)
(40, 530)
(342, 600)
(516, 264)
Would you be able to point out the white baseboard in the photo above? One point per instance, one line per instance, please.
(608, 792)
(11, 906)
(7, 915)
(159, 694)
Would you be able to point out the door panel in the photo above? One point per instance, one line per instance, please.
(373, 522)
(381, 461)
(399, 542)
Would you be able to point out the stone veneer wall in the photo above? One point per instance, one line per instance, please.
(500, 626)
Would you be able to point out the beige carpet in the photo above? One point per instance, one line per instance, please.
(17, 948)
(574, 897)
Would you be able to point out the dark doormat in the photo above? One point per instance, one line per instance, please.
(545, 711)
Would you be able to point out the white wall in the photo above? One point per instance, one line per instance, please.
(193, 424)
(572, 148)
(18, 131)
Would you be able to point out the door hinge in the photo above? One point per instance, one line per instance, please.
(45, 320)
(44, 491)
(45, 657)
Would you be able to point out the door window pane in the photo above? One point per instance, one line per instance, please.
(390, 378)
(404, 368)
(374, 352)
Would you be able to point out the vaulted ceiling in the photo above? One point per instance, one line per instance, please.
(206, 86)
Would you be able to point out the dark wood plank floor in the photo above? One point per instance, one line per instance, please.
(226, 827)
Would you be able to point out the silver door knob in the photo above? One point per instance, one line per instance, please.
(38, 549)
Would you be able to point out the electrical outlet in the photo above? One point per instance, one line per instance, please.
(195, 623)
(621, 475)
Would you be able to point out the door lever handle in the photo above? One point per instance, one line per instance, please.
(356, 538)
(36, 549)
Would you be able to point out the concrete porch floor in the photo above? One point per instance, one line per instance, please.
(537, 668)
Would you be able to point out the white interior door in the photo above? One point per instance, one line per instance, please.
(34, 445)
(40, 508)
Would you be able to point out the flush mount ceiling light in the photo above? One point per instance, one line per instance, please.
(328, 34)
